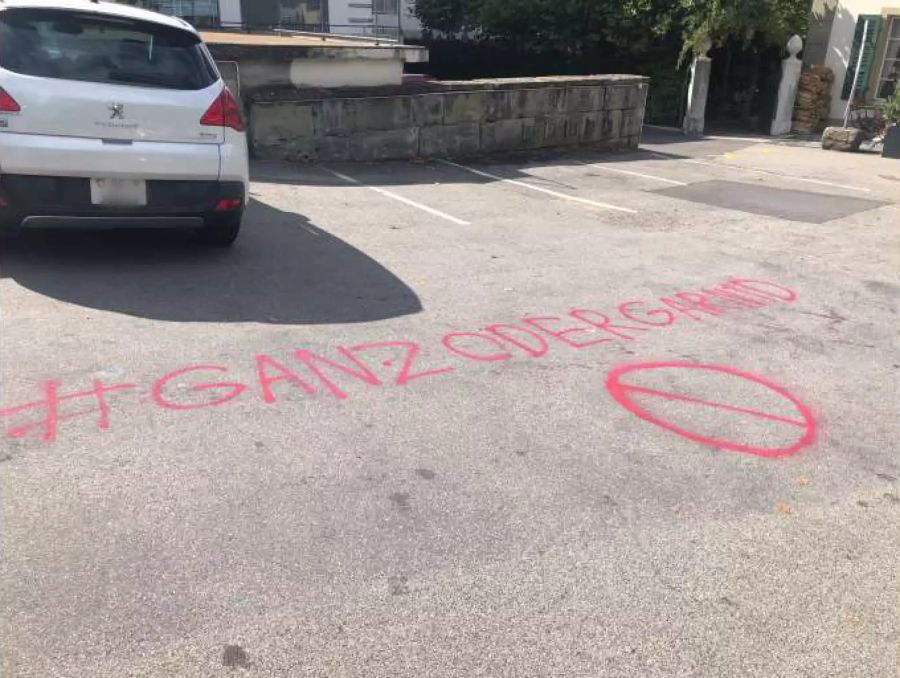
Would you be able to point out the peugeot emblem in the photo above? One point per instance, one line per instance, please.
(117, 111)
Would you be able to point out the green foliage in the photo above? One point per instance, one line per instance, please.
(748, 23)
(448, 16)
(632, 25)
(891, 109)
(566, 25)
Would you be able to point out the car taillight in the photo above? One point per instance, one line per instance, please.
(229, 204)
(7, 103)
(224, 112)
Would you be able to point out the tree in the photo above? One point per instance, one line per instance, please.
(567, 25)
(448, 16)
(747, 22)
(631, 24)
(748, 25)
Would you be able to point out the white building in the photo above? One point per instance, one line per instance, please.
(355, 17)
(202, 13)
(406, 22)
(836, 38)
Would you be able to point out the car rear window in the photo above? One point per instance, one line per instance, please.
(96, 48)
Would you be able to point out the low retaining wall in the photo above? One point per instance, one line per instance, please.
(448, 119)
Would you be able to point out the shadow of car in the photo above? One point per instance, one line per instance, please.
(282, 270)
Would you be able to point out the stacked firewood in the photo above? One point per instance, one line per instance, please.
(813, 97)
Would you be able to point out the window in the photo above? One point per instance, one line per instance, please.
(890, 68)
(303, 14)
(202, 13)
(52, 43)
(386, 6)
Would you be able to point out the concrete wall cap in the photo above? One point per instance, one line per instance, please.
(447, 86)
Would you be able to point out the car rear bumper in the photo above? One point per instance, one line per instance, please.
(65, 202)
(42, 154)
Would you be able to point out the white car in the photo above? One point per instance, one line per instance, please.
(115, 117)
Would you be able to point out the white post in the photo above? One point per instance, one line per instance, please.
(787, 89)
(695, 118)
(862, 50)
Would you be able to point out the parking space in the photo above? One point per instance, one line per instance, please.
(571, 414)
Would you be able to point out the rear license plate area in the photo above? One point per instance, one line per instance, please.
(119, 192)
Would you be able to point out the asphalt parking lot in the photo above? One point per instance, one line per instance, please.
(572, 414)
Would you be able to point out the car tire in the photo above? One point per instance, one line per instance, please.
(221, 230)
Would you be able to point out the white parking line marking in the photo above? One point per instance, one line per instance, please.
(399, 198)
(717, 137)
(791, 177)
(309, 230)
(547, 191)
(633, 174)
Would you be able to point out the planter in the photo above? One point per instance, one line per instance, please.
(891, 142)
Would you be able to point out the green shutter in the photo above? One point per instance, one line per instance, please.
(868, 58)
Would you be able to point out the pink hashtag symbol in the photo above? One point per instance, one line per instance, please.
(51, 414)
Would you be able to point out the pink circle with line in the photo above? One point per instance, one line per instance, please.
(621, 391)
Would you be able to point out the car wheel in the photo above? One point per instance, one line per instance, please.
(221, 230)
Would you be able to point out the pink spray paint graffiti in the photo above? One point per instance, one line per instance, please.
(395, 363)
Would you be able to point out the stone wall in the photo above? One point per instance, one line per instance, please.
(454, 119)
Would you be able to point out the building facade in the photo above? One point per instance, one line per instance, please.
(398, 15)
(386, 18)
(201, 13)
(836, 39)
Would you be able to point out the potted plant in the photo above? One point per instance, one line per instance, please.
(891, 112)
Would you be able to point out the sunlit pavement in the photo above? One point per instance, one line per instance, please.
(561, 415)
